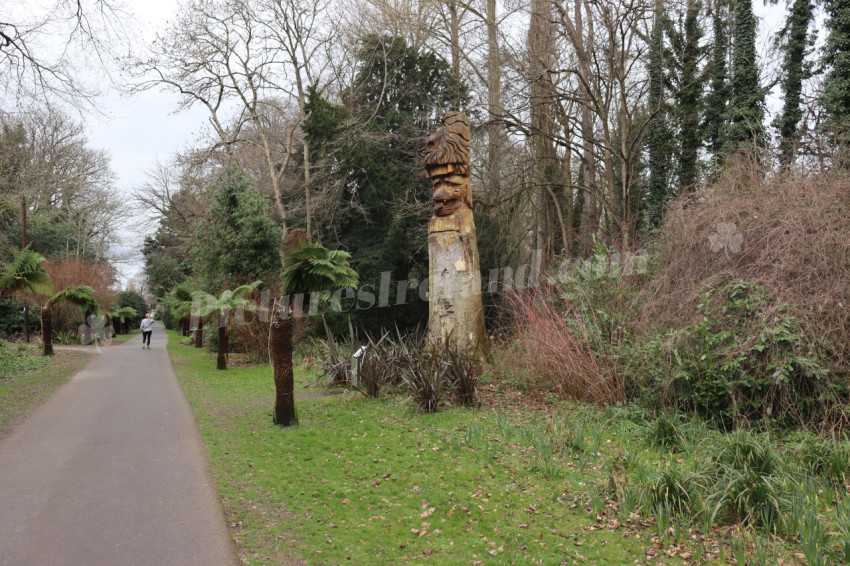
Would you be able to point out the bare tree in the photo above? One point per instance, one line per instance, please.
(34, 65)
(250, 65)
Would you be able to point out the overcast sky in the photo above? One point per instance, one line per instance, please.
(140, 130)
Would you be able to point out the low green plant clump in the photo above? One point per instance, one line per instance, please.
(746, 360)
(17, 359)
(429, 377)
(794, 491)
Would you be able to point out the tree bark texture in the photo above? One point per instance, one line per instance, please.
(223, 346)
(47, 331)
(280, 346)
(454, 288)
(199, 333)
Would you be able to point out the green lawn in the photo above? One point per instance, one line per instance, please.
(367, 481)
(27, 379)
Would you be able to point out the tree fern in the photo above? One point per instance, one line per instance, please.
(26, 273)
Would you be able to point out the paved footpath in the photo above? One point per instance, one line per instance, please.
(111, 471)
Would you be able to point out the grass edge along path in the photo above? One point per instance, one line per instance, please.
(21, 394)
(365, 482)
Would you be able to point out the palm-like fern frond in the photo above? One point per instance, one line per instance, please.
(125, 313)
(26, 273)
(180, 302)
(228, 301)
(80, 295)
(312, 267)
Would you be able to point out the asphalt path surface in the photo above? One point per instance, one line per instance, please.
(112, 470)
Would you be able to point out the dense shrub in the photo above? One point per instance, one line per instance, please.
(747, 359)
(786, 234)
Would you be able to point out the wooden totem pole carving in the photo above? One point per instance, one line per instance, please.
(456, 314)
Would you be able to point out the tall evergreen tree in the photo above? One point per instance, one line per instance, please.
(688, 81)
(717, 99)
(371, 151)
(836, 88)
(658, 135)
(746, 109)
(795, 71)
(239, 239)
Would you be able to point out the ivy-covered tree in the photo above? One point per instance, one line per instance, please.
(795, 71)
(688, 79)
(658, 136)
(746, 108)
(717, 98)
(836, 88)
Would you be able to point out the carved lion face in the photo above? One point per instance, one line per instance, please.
(450, 193)
(449, 145)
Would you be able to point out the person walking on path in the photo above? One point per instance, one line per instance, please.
(112, 471)
(147, 330)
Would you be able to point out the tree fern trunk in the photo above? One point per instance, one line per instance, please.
(199, 333)
(47, 331)
(280, 344)
(221, 360)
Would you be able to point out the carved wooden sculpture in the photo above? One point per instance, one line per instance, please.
(456, 314)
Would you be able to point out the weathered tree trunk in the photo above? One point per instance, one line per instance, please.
(454, 290)
(107, 327)
(280, 345)
(199, 333)
(47, 331)
(456, 314)
(223, 346)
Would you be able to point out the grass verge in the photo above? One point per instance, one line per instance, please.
(367, 481)
(28, 379)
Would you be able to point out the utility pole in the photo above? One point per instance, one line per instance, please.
(24, 245)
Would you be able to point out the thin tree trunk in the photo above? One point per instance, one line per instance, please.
(107, 328)
(26, 321)
(199, 333)
(280, 346)
(47, 331)
(221, 359)
(23, 246)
